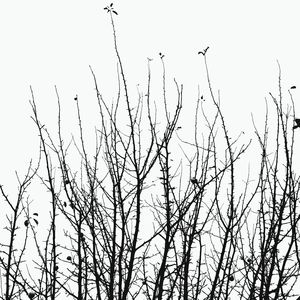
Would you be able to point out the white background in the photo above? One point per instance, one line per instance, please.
(47, 43)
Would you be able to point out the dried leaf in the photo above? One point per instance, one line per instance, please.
(194, 180)
(37, 223)
(31, 295)
(204, 51)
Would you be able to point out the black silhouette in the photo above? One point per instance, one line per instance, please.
(204, 51)
(110, 9)
(297, 121)
(194, 180)
(292, 87)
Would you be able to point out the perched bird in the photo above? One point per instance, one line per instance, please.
(297, 121)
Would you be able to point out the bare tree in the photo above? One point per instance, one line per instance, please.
(12, 252)
(154, 214)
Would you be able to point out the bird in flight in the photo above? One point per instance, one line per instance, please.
(297, 121)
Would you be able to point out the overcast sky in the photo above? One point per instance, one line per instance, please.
(46, 43)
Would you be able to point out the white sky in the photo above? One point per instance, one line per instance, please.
(52, 42)
(46, 43)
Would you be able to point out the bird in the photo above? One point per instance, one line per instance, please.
(297, 121)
